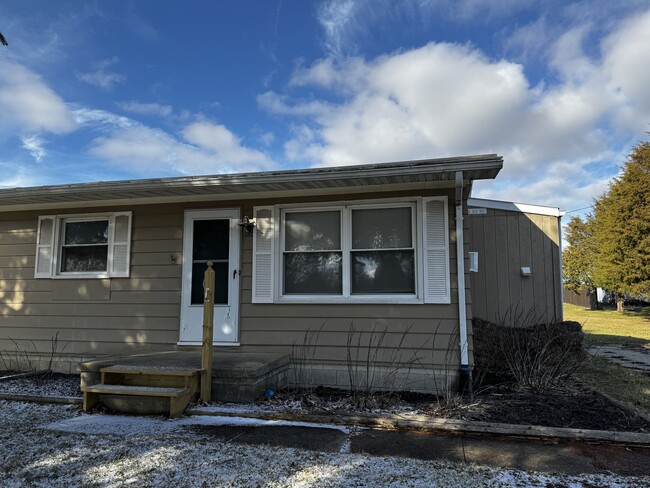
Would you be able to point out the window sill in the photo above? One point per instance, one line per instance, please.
(360, 300)
(79, 276)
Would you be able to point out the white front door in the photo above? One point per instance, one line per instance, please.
(210, 235)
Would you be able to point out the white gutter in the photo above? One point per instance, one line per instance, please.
(460, 266)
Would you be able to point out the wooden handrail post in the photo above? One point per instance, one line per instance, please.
(208, 327)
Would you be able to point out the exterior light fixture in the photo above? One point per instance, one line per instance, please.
(248, 225)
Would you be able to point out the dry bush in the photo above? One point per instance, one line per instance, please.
(540, 356)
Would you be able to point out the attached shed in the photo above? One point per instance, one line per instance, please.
(516, 252)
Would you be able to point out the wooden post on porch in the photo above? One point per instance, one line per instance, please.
(208, 326)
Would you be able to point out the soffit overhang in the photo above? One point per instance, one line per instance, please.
(404, 175)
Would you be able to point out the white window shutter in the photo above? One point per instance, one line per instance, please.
(121, 245)
(436, 250)
(263, 249)
(45, 247)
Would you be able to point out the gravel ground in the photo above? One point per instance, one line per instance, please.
(53, 384)
(41, 447)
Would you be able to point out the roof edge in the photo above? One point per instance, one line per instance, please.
(441, 165)
(516, 207)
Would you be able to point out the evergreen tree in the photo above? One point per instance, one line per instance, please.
(579, 257)
(621, 230)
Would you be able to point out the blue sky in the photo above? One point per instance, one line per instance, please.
(132, 89)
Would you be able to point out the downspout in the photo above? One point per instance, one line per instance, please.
(465, 377)
(561, 284)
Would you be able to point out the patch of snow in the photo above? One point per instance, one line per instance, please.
(129, 425)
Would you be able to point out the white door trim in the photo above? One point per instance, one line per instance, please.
(226, 316)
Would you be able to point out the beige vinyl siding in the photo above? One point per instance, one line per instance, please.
(506, 241)
(93, 316)
(141, 313)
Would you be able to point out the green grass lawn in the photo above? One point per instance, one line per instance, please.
(604, 327)
(610, 326)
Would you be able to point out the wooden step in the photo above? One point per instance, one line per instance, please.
(154, 376)
(178, 398)
(158, 370)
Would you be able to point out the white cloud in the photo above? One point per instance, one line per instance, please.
(217, 140)
(205, 147)
(337, 18)
(146, 108)
(34, 145)
(627, 72)
(27, 103)
(266, 138)
(101, 77)
(446, 99)
(102, 119)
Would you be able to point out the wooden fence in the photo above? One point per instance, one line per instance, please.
(581, 298)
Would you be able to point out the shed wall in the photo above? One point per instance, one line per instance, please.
(506, 241)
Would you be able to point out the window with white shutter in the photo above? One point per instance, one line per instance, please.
(83, 246)
(378, 251)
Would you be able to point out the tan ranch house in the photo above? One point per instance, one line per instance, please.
(342, 265)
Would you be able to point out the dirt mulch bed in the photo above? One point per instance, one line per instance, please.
(571, 407)
(567, 407)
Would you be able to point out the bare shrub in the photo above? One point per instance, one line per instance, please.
(374, 367)
(21, 359)
(536, 355)
(302, 357)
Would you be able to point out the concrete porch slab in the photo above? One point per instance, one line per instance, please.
(240, 377)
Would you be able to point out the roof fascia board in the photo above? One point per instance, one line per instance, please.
(515, 207)
(222, 197)
(451, 165)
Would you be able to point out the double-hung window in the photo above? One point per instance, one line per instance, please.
(83, 246)
(395, 251)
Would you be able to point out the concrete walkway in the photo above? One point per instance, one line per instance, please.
(632, 357)
(531, 455)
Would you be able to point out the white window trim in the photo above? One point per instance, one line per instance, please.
(346, 215)
(57, 246)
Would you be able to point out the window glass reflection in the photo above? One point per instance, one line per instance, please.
(381, 228)
(383, 272)
(315, 273)
(312, 231)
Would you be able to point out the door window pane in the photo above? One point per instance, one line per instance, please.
(312, 231)
(314, 273)
(383, 272)
(381, 228)
(210, 242)
(211, 239)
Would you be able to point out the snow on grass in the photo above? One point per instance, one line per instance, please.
(111, 451)
(43, 385)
